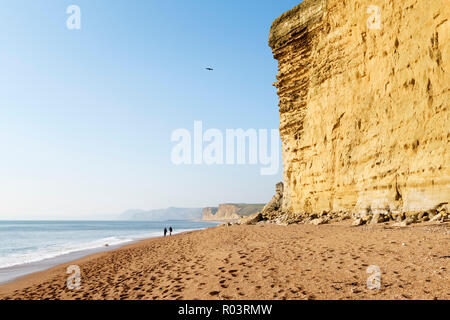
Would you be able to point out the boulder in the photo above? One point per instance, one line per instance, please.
(318, 221)
(437, 217)
(253, 219)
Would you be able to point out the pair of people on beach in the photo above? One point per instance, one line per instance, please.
(165, 231)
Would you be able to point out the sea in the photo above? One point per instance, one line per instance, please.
(31, 246)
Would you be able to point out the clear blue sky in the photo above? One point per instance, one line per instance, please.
(86, 115)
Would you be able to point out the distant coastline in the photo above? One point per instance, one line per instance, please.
(222, 213)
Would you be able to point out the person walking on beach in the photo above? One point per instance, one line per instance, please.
(170, 230)
(165, 232)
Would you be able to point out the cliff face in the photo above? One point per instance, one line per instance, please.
(208, 213)
(230, 211)
(365, 120)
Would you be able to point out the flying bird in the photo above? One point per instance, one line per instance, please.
(209, 69)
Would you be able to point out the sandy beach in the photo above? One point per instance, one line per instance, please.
(260, 262)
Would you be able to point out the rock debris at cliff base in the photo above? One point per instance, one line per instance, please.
(273, 213)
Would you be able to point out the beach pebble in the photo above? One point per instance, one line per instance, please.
(398, 224)
(437, 217)
(319, 221)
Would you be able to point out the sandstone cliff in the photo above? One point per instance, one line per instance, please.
(227, 212)
(365, 119)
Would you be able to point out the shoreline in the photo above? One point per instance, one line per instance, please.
(15, 272)
(258, 263)
(85, 256)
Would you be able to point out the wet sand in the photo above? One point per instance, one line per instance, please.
(260, 262)
(10, 274)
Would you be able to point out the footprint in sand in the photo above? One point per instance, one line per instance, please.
(233, 272)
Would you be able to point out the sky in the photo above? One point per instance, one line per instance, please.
(86, 116)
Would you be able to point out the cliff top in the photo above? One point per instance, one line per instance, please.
(298, 17)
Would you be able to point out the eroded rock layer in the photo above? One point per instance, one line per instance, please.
(364, 111)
